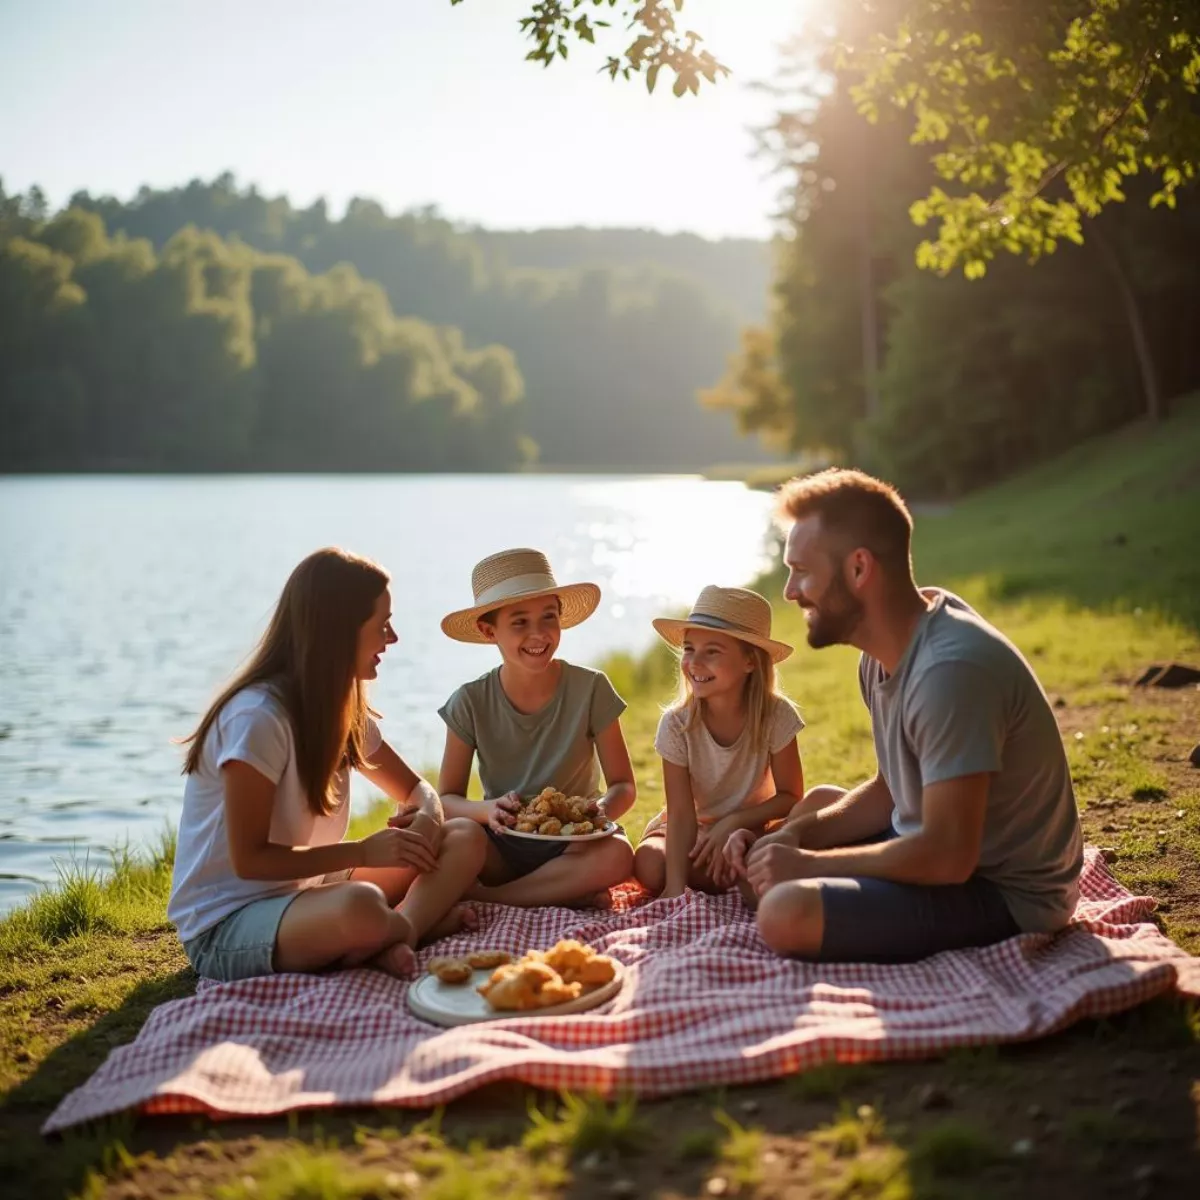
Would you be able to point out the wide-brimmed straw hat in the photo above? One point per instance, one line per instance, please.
(737, 612)
(512, 575)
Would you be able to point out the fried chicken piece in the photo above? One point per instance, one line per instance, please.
(450, 970)
(568, 955)
(526, 825)
(582, 827)
(551, 826)
(486, 960)
(522, 986)
(594, 971)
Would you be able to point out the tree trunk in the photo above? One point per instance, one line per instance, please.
(1137, 330)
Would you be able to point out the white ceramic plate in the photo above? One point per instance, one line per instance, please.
(607, 831)
(452, 1004)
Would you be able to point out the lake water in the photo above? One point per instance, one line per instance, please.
(125, 602)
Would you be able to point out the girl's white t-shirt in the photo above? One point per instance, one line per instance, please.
(252, 727)
(725, 778)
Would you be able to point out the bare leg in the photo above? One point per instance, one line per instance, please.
(340, 924)
(580, 873)
(650, 864)
(430, 899)
(791, 919)
(817, 798)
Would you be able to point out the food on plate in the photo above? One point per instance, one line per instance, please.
(451, 970)
(486, 960)
(553, 814)
(546, 977)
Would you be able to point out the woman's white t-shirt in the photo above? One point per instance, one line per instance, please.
(253, 727)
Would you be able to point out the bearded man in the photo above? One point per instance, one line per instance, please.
(968, 832)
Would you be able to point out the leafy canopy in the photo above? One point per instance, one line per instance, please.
(552, 25)
(1036, 111)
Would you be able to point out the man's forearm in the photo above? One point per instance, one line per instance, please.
(861, 813)
(915, 858)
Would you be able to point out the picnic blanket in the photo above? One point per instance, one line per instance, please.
(705, 1003)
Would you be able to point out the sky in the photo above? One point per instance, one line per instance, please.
(408, 102)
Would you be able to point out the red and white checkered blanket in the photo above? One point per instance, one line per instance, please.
(704, 1003)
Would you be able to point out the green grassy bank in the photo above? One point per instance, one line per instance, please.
(1089, 564)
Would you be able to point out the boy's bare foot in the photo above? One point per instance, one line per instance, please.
(460, 917)
(397, 960)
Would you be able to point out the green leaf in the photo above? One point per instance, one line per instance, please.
(652, 76)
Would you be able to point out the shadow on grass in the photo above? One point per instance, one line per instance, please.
(56, 1166)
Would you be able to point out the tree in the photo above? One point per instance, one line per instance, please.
(1036, 112)
(553, 25)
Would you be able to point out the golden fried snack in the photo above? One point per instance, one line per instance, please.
(526, 825)
(486, 960)
(518, 987)
(593, 971)
(582, 827)
(450, 970)
(552, 826)
(558, 993)
(568, 954)
(568, 830)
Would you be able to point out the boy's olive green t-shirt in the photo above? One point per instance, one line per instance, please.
(526, 752)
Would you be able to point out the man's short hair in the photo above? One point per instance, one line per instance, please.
(856, 510)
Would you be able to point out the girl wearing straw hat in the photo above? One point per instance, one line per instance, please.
(728, 743)
(535, 722)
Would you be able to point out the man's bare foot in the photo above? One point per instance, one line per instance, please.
(460, 917)
(397, 960)
(601, 900)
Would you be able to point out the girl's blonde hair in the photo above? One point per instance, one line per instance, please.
(761, 691)
(308, 658)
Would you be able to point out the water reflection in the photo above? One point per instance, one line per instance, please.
(125, 602)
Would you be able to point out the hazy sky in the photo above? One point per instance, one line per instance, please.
(409, 102)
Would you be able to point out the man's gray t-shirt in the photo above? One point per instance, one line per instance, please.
(526, 752)
(963, 701)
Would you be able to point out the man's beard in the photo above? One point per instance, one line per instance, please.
(836, 617)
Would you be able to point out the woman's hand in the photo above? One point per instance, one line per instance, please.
(502, 812)
(427, 825)
(398, 848)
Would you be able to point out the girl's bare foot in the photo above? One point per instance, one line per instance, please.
(460, 918)
(397, 960)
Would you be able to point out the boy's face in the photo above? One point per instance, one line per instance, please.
(527, 632)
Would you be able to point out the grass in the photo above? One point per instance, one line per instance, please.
(1087, 564)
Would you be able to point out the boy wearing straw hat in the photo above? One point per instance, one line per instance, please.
(535, 722)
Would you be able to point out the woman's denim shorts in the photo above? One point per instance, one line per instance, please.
(243, 944)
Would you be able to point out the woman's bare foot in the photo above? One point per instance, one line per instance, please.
(460, 918)
(397, 960)
(601, 900)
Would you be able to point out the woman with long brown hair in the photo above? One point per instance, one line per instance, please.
(264, 881)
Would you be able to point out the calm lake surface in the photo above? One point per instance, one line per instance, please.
(125, 602)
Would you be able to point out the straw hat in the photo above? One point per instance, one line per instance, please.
(738, 612)
(512, 575)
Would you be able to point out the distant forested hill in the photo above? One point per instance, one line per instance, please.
(613, 331)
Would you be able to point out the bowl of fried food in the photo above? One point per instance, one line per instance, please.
(552, 815)
(569, 977)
